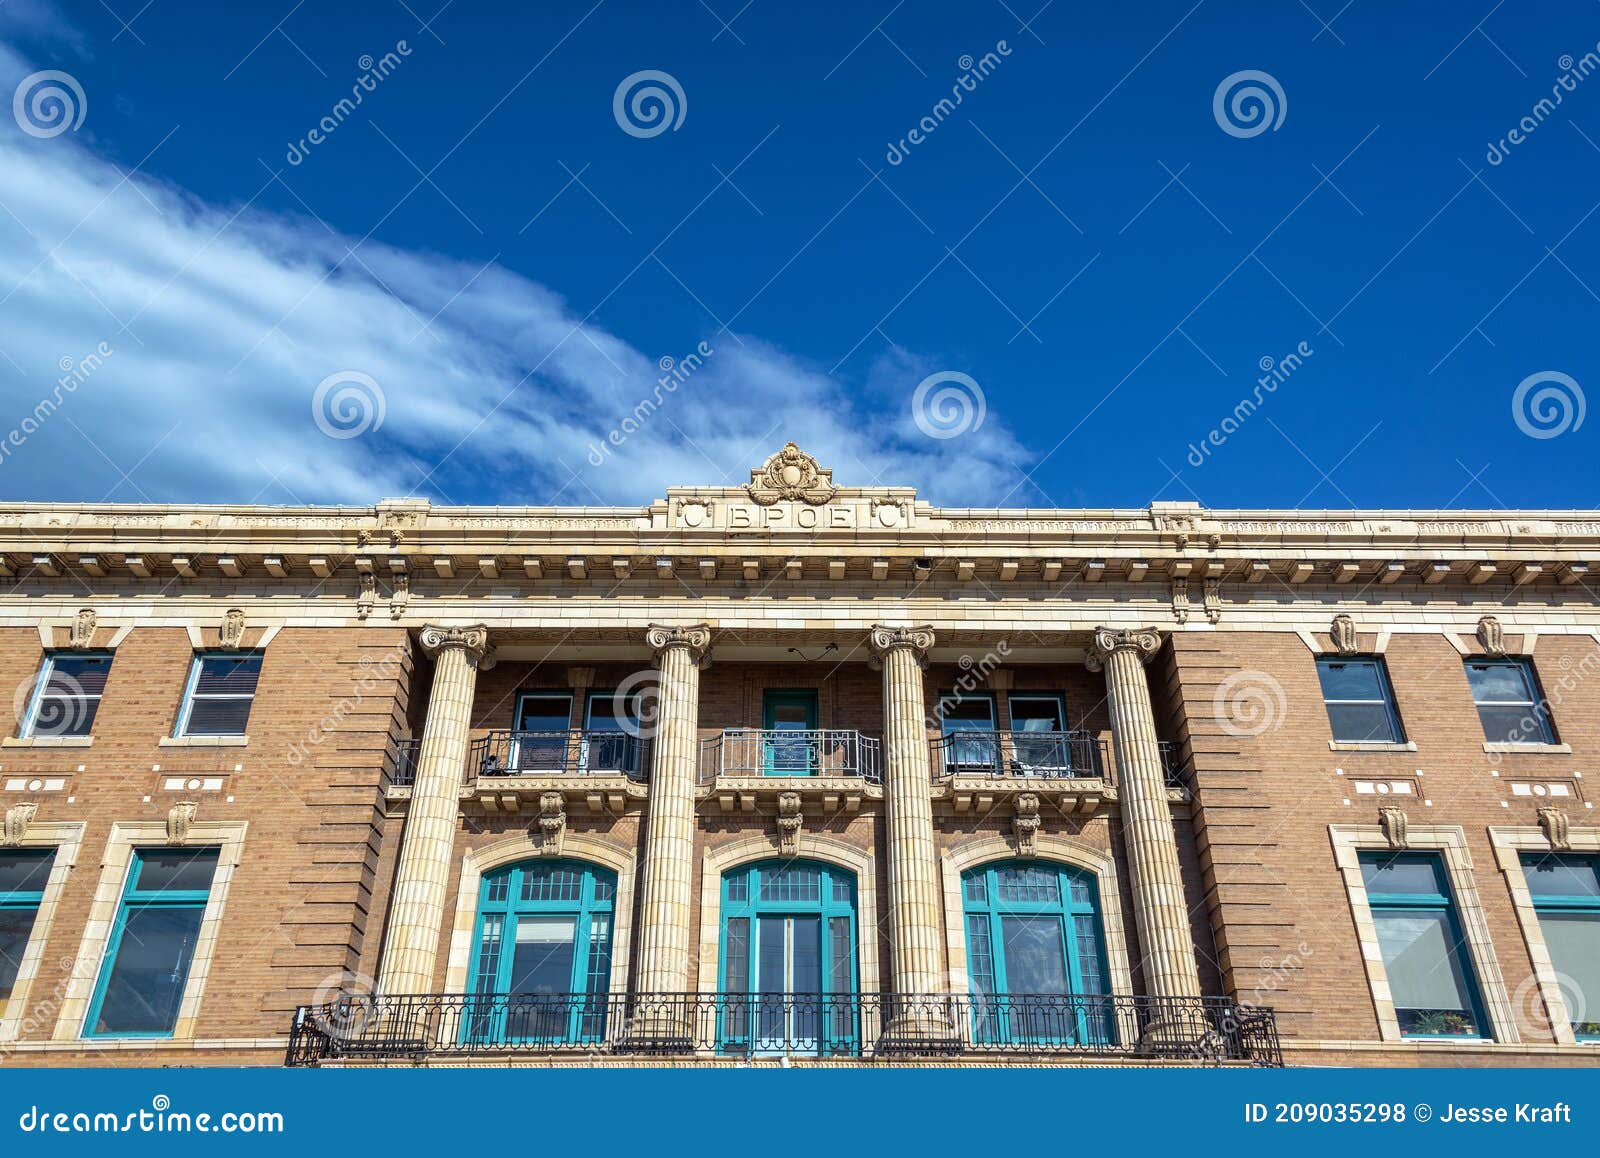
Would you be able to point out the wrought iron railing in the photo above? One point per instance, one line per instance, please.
(750, 1025)
(402, 766)
(1042, 754)
(1172, 762)
(766, 752)
(565, 753)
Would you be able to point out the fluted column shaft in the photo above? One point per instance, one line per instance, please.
(427, 847)
(908, 802)
(664, 931)
(1152, 846)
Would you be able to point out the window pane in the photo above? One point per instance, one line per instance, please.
(1413, 875)
(1028, 884)
(840, 952)
(1499, 682)
(1357, 723)
(541, 961)
(1512, 724)
(967, 715)
(1035, 714)
(61, 716)
(233, 675)
(15, 926)
(736, 970)
(489, 953)
(1035, 957)
(78, 675)
(1425, 975)
(151, 967)
(544, 714)
(1556, 876)
(543, 883)
(1574, 942)
(791, 884)
(611, 714)
(175, 870)
(1350, 680)
(25, 872)
(975, 888)
(217, 717)
(739, 888)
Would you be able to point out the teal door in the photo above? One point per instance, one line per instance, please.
(789, 747)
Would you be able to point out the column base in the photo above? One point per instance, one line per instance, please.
(657, 1025)
(1180, 1037)
(923, 1031)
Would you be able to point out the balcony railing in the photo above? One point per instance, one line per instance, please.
(402, 767)
(449, 1027)
(1041, 754)
(762, 752)
(569, 753)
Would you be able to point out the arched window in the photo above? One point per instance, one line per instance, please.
(1035, 953)
(788, 960)
(542, 968)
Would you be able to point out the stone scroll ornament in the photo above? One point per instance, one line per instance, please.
(1144, 642)
(696, 637)
(791, 475)
(883, 640)
(473, 640)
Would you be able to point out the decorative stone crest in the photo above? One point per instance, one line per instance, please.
(883, 640)
(17, 819)
(790, 822)
(400, 596)
(82, 632)
(1180, 600)
(791, 475)
(1025, 824)
(1143, 642)
(1343, 633)
(180, 817)
(1213, 599)
(552, 823)
(696, 637)
(232, 628)
(368, 596)
(1393, 822)
(1491, 637)
(473, 640)
(1556, 827)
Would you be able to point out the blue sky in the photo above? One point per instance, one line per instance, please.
(481, 255)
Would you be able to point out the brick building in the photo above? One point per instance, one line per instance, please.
(796, 770)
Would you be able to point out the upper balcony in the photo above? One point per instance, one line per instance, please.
(742, 764)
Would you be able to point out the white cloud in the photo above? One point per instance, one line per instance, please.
(222, 323)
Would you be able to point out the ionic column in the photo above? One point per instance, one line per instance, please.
(1158, 899)
(907, 792)
(427, 847)
(664, 933)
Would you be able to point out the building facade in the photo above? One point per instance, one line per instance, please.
(802, 773)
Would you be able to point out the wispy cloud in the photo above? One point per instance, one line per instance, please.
(224, 319)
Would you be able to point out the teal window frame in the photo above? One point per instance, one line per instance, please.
(26, 900)
(135, 899)
(743, 1011)
(91, 700)
(1568, 905)
(180, 728)
(1085, 1014)
(495, 1016)
(1440, 900)
(771, 699)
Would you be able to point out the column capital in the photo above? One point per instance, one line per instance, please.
(1143, 642)
(883, 639)
(694, 636)
(472, 639)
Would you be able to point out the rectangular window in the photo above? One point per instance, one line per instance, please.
(1509, 704)
(152, 946)
(222, 686)
(23, 875)
(1566, 895)
(67, 695)
(1036, 713)
(1424, 953)
(1360, 701)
